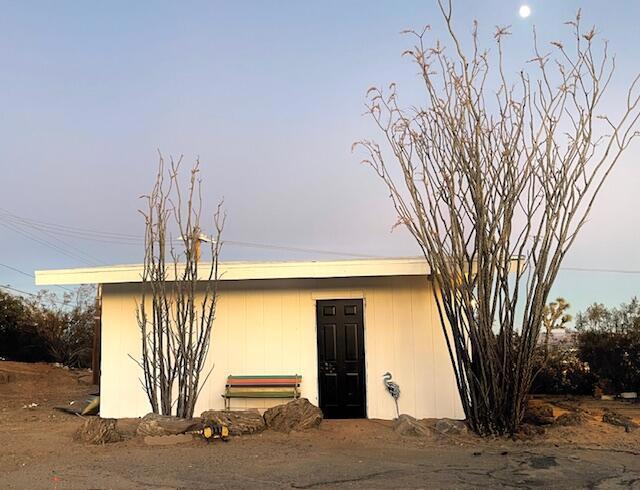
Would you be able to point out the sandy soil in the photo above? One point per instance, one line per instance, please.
(37, 450)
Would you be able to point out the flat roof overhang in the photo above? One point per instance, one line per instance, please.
(241, 271)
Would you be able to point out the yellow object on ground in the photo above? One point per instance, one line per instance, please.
(93, 407)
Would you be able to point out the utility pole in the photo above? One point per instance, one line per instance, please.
(97, 334)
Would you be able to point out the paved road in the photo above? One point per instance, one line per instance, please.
(300, 461)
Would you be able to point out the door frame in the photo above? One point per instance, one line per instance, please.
(345, 296)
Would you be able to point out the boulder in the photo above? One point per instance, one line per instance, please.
(406, 425)
(571, 419)
(154, 424)
(238, 423)
(127, 427)
(614, 418)
(299, 414)
(96, 430)
(450, 426)
(539, 414)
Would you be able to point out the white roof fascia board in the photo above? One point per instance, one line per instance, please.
(238, 271)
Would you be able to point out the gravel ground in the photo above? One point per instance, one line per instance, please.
(38, 451)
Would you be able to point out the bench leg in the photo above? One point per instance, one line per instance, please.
(226, 402)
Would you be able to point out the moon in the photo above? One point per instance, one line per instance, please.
(525, 11)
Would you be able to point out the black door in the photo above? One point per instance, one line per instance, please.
(341, 376)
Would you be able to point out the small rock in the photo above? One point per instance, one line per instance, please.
(406, 425)
(614, 418)
(96, 430)
(450, 426)
(298, 414)
(154, 424)
(571, 419)
(238, 423)
(541, 414)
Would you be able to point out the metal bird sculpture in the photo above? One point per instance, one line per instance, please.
(392, 388)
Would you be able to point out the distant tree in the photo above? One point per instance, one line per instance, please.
(554, 317)
(598, 317)
(495, 183)
(48, 328)
(18, 337)
(609, 341)
(560, 371)
(177, 308)
(66, 326)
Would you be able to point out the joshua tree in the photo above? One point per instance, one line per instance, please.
(494, 178)
(179, 293)
(553, 317)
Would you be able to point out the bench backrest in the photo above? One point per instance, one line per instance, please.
(264, 381)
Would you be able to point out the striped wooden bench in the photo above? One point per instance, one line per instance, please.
(263, 386)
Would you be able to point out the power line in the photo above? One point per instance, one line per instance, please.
(17, 290)
(44, 242)
(127, 239)
(17, 225)
(28, 274)
(20, 291)
(296, 249)
(38, 240)
(17, 270)
(57, 226)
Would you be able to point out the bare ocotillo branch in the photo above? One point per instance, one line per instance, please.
(179, 293)
(494, 184)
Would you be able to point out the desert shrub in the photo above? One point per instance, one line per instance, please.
(561, 371)
(19, 338)
(66, 330)
(48, 329)
(614, 357)
(609, 341)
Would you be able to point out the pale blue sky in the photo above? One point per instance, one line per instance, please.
(270, 96)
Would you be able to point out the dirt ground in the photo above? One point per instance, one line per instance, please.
(37, 450)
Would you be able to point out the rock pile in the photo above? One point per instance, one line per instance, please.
(614, 418)
(238, 423)
(154, 424)
(539, 414)
(299, 414)
(571, 419)
(406, 425)
(96, 430)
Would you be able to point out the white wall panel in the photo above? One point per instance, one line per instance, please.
(269, 327)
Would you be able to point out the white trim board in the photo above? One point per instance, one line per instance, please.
(238, 271)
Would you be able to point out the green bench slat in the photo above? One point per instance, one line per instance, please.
(275, 394)
(263, 386)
